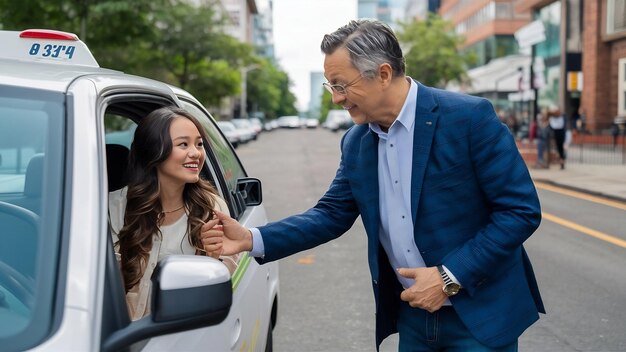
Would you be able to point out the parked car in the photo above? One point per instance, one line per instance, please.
(64, 135)
(256, 124)
(246, 131)
(338, 119)
(312, 123)
(289, 122)
(230, 131)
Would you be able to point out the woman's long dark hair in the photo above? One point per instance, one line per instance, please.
(151, 146)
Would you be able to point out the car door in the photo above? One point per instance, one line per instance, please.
(247, 325)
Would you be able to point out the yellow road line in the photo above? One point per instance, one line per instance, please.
(587, 231)
(580, 195)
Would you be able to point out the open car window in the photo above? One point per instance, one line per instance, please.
(228, 162)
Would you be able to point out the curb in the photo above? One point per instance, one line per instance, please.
(582, 190)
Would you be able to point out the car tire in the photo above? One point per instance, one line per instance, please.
(269, 341)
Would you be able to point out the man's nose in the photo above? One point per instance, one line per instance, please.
(338, 98)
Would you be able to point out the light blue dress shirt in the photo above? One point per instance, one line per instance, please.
(395, 163)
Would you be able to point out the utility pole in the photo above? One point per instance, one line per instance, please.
(244, 90)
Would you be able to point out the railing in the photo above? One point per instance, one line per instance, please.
(597, 149)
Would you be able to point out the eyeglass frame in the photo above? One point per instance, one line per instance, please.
(341, 89)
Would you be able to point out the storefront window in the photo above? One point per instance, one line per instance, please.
(551, 18)
(548, 52)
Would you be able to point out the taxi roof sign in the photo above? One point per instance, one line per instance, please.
(47, 34)
(46, 46)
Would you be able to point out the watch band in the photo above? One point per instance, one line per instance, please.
(444, 275)
(450, 288)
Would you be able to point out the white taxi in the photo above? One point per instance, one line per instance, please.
(65, 128)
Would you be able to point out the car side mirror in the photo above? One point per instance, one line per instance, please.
(250, 191)
(188, 292)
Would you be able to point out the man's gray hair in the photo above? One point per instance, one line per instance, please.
(370, 44)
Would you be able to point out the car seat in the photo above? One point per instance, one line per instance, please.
(117, 165)
(33, 184)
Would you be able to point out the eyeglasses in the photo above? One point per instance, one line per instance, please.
(341, 89)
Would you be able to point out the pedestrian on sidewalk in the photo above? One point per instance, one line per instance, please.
(557, 124)
(615, 134)
(542, 136)
(444, 195)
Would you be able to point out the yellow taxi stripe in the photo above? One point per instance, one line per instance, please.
(580, 195)
(585, 230)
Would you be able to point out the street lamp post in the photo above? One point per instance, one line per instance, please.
(503, 77)
(244, 90)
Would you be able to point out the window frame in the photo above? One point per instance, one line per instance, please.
(621, 87)
(236, 209)
(610, 18)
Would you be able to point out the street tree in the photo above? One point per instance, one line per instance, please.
(268, 91)
(197, 54)
(327, 105)
(431, 51)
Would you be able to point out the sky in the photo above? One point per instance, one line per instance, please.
(299, 26)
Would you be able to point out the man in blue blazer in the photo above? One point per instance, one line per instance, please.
(444, 195)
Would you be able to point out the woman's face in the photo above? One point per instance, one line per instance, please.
(187, 157)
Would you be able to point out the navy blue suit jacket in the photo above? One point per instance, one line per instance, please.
(473, 205)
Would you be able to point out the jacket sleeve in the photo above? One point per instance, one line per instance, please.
(510, 196)
(332, 216)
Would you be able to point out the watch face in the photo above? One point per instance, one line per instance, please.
(451, 289)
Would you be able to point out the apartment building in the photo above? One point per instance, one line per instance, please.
(499, 70)
(581, 63)
(604, 63)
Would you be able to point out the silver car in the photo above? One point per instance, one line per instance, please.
(65, 128)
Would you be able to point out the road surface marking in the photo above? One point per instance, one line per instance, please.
(580, 195)
(585, 230)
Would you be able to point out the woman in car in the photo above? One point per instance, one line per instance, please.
(166, 203)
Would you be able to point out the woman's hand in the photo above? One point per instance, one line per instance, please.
(212, 238)
(226, 235)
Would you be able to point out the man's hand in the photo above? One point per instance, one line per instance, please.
(226, 232)
(426, 293)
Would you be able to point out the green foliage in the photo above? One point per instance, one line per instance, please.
(268, 91)
(327, 104)
(213, 80)
(431, 51)
(195, 52)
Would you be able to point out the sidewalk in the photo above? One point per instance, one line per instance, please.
(605, 180)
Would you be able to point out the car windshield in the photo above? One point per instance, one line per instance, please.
(31, 146)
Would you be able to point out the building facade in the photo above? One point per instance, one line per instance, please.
(487, 25)
(585, 65)
(604, 63)
(388, 11)
(263, 29)
(498, 69)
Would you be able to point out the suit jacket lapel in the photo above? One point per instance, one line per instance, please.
(367, 168)
(426, 115)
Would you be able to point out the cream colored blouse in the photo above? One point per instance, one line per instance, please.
(173, 241)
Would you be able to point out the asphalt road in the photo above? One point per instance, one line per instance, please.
(326, 301)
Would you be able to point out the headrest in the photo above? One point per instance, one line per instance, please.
(34, 176)
(117, 163)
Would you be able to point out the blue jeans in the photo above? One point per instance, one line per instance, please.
(541, 150)
(439, 331)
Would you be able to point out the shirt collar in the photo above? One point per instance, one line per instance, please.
(407, 114)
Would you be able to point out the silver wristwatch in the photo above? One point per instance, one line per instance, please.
(450, 288)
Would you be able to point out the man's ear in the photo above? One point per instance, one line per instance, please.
(385, 72)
